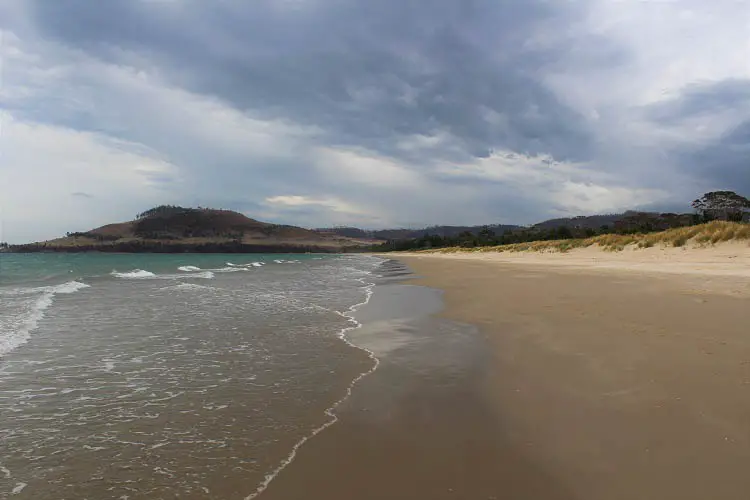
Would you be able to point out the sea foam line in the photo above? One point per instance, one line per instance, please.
(135, 273)
(330, 410)
(188, 269)
(140, 274)
(27, 325)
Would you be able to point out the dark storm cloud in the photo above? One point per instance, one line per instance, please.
(722, 162)
(700, 100)
(725, 163)
(365, 72)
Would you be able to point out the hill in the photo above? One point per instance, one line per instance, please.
(173, 229)
(582, 221)
(406, 234)
(628, 220)
(622, 221)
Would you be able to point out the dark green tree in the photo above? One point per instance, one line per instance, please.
(724, 205)
(486, 235)
(563, 233)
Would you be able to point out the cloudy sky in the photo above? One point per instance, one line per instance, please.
(371, 113)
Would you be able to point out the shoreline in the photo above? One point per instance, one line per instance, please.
(329, 412)
(571, 383)
(398, 434)
(619, 384)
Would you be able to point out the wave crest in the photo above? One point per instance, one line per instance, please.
(188, 269)
(24, 317)
(135, 273)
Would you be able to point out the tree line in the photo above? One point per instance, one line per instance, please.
(715, 205)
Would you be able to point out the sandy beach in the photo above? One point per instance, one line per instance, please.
(619, 378)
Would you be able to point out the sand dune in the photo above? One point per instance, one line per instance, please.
(697, 264)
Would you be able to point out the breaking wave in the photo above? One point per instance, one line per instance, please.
(134, 274)
(23, 308)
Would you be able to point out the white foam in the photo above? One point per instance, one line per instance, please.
(244, 267)
(69, 287)
(233, 269)
(188, 269)
(140, 274)
(330, 411)
(134, 274)
(94, 448)
(206, 275)
(15, 329)
(18, 489)
(189, 286)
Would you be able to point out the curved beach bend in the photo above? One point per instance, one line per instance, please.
(582, 383)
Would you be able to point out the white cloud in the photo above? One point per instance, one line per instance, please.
(136, 101)
(659, 50)
(663, 46)
(567, 187)
(44, 167)
(507, 166)
(320, 211)
(122, 125)
(138, 134)
(333, 204)
(364, 167)
(575, 198)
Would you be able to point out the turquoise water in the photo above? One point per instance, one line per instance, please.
(46, 268)
(169, 376)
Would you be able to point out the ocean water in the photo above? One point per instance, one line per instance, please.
(170, 376)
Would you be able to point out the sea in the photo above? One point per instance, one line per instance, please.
(193, 376)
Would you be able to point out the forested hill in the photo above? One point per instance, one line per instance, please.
(170, 228)
(405, 234)
(628, 219)
(178, 229)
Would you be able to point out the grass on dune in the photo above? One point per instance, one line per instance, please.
(700, 235)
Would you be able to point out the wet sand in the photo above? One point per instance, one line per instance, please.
(577, 384)
(421, 426)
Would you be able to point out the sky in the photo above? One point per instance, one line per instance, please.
(388, 113)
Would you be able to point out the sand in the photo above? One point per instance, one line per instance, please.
(625, 379)
(726, 259)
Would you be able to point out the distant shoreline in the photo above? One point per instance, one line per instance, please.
(177, 248)
(174, 229)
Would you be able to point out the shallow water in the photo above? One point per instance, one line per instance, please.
(161, 376)
(421, 425)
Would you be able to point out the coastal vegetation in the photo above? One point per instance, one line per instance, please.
(722, 205)
(719, 216)
(701, 235)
